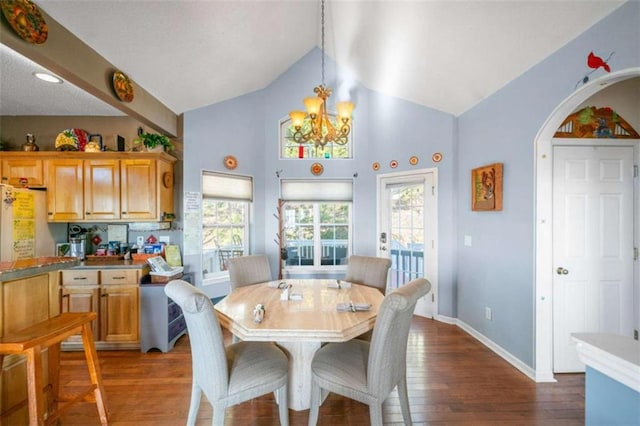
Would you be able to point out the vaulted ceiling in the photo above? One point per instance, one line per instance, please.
(447, 55)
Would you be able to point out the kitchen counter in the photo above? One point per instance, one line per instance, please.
(38, 265)
(123, 264)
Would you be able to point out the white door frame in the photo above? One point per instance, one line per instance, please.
(543, 160)
(432, 259)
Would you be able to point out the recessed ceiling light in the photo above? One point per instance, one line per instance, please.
(49, 78)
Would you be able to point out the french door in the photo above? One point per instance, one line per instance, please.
(407, 230)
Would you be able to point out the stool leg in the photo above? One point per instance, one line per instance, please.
(94, 372)
(54, 376)
(34, 386)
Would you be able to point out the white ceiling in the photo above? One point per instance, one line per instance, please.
(447, 55)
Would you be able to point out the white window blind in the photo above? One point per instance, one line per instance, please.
(316, 190)
(224, 186)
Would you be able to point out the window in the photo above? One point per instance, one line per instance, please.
(317, 233)
(292, 149)
(226, 201)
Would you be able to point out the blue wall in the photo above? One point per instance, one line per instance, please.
(498, 269)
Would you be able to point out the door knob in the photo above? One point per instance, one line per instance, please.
(561, 271)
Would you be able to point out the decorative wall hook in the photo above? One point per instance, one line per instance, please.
(355, 175)
(278, 172)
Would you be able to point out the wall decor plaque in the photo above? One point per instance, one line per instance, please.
(26, 20)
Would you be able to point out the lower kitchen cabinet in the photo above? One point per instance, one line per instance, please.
(114, 295)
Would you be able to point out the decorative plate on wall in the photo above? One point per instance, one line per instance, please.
(230, 162)
(375, 166)
(436, 157)
(122, 86)
(413, 160)
(317, 169)
(26, 20)
(393, 164)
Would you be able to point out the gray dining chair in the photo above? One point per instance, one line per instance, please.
(231, 375)
(368, 270)
(248, 270)
(368, 371)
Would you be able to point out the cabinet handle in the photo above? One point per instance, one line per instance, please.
(118, 278)
(50, 213)
(103, 295)
(79, 278)
(87, 213)
(65, 295)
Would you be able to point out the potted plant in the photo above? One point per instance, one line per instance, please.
(155, 142)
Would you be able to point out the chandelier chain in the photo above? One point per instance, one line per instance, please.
(322, 35)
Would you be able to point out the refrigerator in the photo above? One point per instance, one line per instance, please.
(24, 230)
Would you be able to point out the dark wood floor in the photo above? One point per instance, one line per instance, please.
(453, 379)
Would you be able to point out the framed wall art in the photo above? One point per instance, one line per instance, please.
(486, 188)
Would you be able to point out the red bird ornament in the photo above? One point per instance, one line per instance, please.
(596, 62)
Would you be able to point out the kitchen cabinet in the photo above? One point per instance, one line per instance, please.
(65, 189)
(114, 295)
(97, 187)
(83, 190)
(23, 171)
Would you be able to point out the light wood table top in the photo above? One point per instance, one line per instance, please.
(312, 319)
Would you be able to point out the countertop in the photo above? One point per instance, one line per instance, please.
(38, 265)
(616, 356)
(123, 264)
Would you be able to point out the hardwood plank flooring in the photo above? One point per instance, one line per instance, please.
(452, 379)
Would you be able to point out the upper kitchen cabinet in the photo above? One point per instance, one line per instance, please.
(23, 171)
(104, 186)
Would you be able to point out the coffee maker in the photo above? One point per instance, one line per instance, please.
(77, 247)
(78, 237)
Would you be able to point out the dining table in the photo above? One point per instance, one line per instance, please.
(299, 316)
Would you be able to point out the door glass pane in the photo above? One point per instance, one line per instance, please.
(407, 234)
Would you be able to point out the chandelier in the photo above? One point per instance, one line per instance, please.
(316, 125)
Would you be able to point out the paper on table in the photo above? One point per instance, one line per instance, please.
(353, 307)
(339, 284)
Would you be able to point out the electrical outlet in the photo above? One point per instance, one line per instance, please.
(487, 313)
(140, 241)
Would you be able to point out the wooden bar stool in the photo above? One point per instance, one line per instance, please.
(32, 340)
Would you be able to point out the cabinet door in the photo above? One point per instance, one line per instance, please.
(65, 188)
(138, 189)
(102, 189)
(14, 170)
(81, 299)
(119, 313)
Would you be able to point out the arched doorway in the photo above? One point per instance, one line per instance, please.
(543, 224)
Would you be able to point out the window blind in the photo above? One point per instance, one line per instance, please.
(224, 186)
(316, 190)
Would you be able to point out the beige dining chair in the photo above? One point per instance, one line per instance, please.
(231, 375)
(368, 371)
(247, 270)
(368, 270)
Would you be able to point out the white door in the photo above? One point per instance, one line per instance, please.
(407, 228)
(592, 246)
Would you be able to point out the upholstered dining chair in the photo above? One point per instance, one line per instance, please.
(368, 270)
(368, 371)
(247, 270)
(231, 375)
